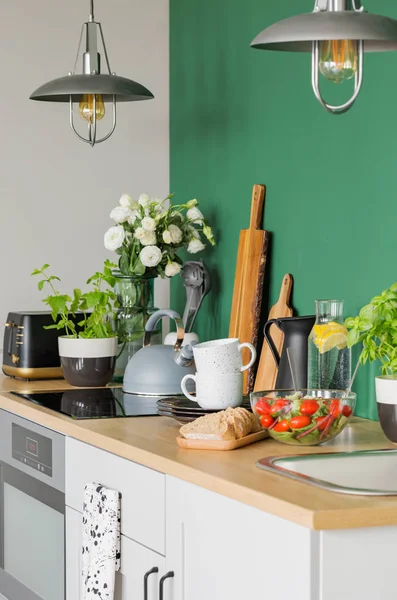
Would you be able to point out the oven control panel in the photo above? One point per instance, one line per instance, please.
(32, 449)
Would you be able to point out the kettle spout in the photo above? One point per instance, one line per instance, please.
(184, 356)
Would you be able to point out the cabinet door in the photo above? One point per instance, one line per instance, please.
(136, 561)
(220, 548)
(142, 490)
(358, 563)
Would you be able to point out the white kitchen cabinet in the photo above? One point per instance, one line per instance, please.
(142, 490)
(358, 564)
(219, 548)
(136, 561)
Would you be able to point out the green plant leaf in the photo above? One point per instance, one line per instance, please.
(139, 267)
(352, 337)
(91, 299)
(58, 303)
(124, 264)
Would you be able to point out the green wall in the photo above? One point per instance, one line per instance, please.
(241, 116)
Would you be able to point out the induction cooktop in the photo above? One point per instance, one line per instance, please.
(94, 403)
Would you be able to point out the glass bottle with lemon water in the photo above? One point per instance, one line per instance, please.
(329, 360)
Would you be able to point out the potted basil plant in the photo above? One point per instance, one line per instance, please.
(89, 348)
(376, 328)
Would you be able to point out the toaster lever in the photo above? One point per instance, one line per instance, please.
(10, 337)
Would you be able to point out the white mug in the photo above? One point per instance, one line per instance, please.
(218, 392)
(222, 356)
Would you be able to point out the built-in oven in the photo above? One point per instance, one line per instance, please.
(32, 511)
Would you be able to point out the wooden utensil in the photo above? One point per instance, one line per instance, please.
(267, 370)
(248, 283)
(222, 445)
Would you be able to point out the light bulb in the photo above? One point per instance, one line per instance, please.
(338, 59)
(86, 107)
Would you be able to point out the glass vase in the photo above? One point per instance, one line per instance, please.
(135, 297)
(329, 359)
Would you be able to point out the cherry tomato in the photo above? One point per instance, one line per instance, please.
(347, 411)
(279, 404)
(263, 407)
(335, 407)
(299, 422)
(281, 427)
(322, 422)
(266, 421)
(309, 407)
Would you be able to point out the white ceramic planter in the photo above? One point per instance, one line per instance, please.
(87, 362)
(386, 398)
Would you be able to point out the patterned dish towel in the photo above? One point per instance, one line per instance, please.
(101, 542)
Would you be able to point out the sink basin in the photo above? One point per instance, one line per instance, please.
(365, 473)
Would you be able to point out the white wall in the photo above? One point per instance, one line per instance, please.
(55, 191)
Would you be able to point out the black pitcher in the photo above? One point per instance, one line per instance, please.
(296, 333)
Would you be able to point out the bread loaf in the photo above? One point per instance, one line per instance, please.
(230, 424)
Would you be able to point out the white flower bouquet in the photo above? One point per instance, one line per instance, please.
(148, 235)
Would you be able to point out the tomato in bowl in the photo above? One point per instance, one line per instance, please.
(304, 417)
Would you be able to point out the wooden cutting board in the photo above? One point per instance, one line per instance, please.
(267, 370)
(219, 445)
(248, 282)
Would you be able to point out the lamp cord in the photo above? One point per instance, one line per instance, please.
(91, 10)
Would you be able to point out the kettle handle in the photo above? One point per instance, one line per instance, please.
(269, 339)
(155, 318)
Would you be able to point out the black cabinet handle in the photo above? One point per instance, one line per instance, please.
(164, 577)
(145, 585)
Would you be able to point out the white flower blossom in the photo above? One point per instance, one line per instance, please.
(158, 204)
(128, 202)
(176, 234)
(195, 215)
(194, 233)
(149, 239)
(192, 203)
(149, 224)
(120, 214)
(114, 238)
(134, 214)
(150, 256)
(167, 239)
(144, 200)
(172, 268)
(195, 246)
(139, 233)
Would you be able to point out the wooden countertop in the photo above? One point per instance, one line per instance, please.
(150, 441)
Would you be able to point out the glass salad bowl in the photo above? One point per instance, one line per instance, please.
(304, 417)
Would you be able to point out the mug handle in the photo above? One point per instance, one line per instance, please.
(183, 386)
(253, 355)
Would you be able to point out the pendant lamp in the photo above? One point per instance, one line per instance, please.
(91, 90)
(337, 33)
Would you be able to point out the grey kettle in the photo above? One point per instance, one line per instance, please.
(158, 370)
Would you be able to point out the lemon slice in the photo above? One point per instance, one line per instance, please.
(330, 335)
(333, 340)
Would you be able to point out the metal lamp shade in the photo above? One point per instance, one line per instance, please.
(296, 34)
(108, 86)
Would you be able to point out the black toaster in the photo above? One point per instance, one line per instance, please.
(30, 351)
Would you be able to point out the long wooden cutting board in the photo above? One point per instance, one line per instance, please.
(267, 369)
(248, 283)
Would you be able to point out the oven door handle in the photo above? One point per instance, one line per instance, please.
(35, 488)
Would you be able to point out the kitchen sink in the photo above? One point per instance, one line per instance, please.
(365, 473)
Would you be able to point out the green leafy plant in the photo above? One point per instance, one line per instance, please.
(376, 327)
(96, 306)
